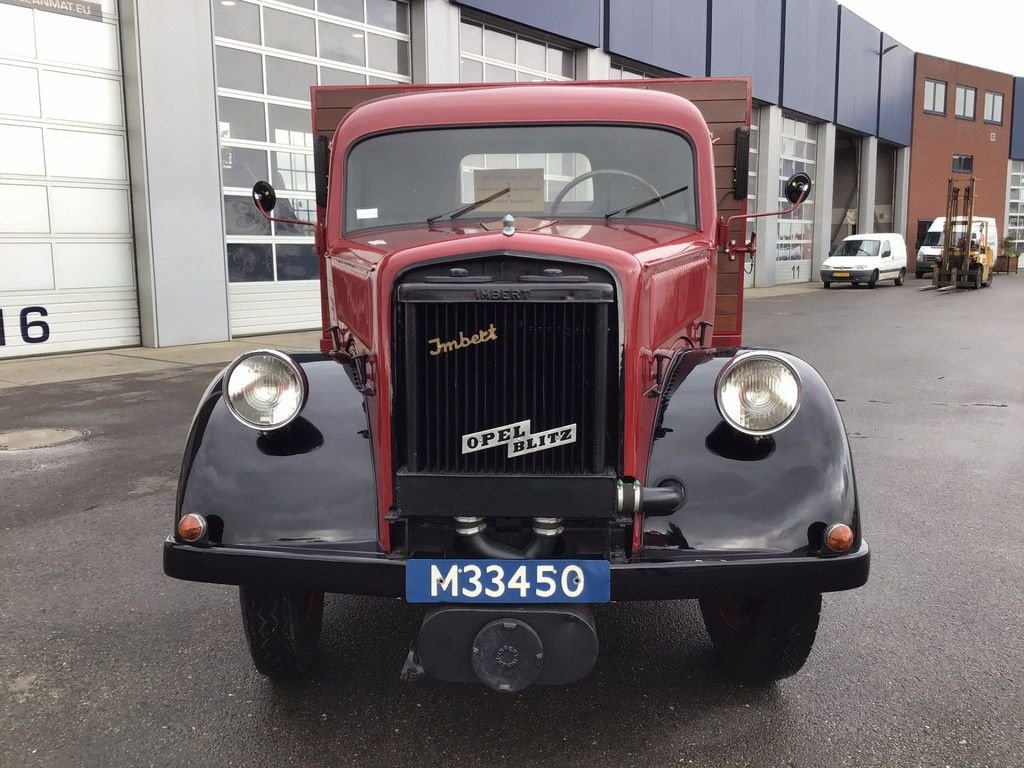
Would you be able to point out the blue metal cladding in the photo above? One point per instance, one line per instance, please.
(746, 39)
(668, 34)
(857, 87)
(809, 66)
(897, 107)
(578, 20)
(1017, 129)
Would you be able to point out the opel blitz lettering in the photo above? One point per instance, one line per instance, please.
(531, 394)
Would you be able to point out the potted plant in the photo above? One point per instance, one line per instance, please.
(1009, 258)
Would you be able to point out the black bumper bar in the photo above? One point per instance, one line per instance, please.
(364, 574)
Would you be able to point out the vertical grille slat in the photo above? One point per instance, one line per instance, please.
(549, 365)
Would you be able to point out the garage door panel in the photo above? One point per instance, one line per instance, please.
(25, 210)
(26, 267)
(92, 265)
(90, 210)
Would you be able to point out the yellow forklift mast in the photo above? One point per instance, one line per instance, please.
(966, 258)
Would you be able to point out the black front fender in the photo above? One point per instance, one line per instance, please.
(311, 482)
(776, 494)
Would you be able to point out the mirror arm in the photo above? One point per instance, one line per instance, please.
(730, 246)
(259, 207)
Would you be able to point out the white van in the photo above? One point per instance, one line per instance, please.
(866, 259)
(930, 251)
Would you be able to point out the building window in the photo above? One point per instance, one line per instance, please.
(935, 96)
(993, 107)
(620, 70)
(799, 152)
(266, 60)
(965, 97)
(1015, 208)
(963, 163)
(493, 55)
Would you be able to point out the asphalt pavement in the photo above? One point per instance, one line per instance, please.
(104, 661)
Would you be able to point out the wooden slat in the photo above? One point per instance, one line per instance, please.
(727, 283)
(727, 304)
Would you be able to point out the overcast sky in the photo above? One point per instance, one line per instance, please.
(986, 33)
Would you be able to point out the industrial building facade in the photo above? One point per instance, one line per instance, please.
(131, 133)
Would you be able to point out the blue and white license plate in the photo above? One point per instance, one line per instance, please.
(507, 581)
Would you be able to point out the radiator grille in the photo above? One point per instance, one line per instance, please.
(548, 364)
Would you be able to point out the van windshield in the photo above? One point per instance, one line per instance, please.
(857, 248)
(933, 239)
(633, 173)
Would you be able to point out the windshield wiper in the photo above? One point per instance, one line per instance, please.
(645, 203)
(454, 214)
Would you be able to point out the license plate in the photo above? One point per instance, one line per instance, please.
(507, 581)
(840, 274)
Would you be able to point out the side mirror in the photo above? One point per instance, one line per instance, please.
(264, 196)
(886, 254)
(798, 187)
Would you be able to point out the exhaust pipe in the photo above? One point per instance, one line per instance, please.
(546, 531)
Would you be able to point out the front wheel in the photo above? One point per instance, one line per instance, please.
(900, 277)
(873, 280)
(282, 627)
(919, 274)
(827, 283)
(762, 639)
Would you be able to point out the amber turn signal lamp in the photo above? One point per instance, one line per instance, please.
(192, 527)
(839, 537)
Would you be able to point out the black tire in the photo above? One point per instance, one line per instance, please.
(919, 274)
(826, 283)
(282, 627)
(762, 639)
(855, 283)
(991, 277)
(900, 277)
(976, 278)
(873, 280)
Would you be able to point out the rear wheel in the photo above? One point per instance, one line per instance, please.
(282, 627)
(761, 639)
(873, 280)
(900, 277)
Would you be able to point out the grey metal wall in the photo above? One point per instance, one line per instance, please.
(1017, 130)
(897, 98)
(809, 57)
(857, 77)
(668, 34)
(578, 20)
(746, 39)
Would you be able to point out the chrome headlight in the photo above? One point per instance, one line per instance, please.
(265, 389)
(758, 393)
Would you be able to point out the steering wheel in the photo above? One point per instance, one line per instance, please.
(605, 172)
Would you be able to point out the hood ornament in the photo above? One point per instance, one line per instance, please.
(508, 225)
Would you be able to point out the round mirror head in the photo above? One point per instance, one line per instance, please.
(798, 187)
(264, 196)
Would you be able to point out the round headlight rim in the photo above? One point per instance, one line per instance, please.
(289, 361)
(747, 357)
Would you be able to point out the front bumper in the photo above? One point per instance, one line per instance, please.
(852, 275)
(689, 575)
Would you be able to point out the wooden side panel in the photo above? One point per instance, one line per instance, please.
(724, 103)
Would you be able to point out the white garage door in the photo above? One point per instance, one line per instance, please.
(67, 275)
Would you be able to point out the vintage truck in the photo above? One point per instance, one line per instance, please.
(530, 395)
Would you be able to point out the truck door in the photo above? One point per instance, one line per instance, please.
(887, 260)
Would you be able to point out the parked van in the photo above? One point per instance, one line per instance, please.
(930, 251)
(866, 259)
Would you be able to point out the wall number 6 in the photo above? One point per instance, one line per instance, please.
(32, 331)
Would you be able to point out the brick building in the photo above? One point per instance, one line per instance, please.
(961, 127)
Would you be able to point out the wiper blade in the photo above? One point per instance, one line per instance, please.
(643, 204)
(454, 214)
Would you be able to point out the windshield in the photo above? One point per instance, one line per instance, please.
(552, 171)
(857, 248)
(933, 238)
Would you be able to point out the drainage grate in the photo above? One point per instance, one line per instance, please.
(48, 437)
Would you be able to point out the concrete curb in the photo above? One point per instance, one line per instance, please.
(76, 366)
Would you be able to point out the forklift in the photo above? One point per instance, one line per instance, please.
(967, 259)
